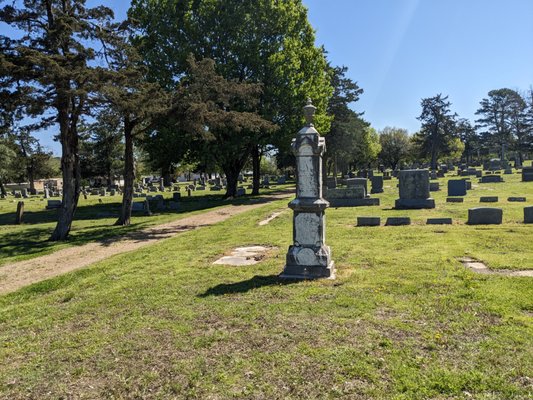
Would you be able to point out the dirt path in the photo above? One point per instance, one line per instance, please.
(17, 275)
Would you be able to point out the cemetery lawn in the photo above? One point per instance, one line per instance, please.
(403, 320)
(93, 221)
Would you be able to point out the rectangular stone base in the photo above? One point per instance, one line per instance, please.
(414, 203)
(352, 202)
(308, 272)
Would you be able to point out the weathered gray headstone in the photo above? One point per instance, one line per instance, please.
(528, 215)
(20, 213)
(527, 174)
(439, 221)
(434, 186)
(456, 187)
(354, 182)
(368, 221)
(488, 199)
(516, 199)
(491, 179)
(53, 204)
(377, 184)
(485, 216)
(398, 221)
(309, 257)
(414, 190)
(454, 200)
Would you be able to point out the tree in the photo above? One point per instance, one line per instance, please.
(103, 150)
(438, 128)
(346, 125)
(7, 156)
(50, 67)
(395, 146)
(32, 160)
(470, 138)
(135, 102)
(502, 118)
(267, 42)
(221, 117)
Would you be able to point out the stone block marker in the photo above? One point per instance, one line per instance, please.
(485, 216)
(516, 199)
(454, 200)
(414, 190)
(397, 221)
(377, 184)
(488, 199)
(491, 179)
(527, 174)
(528, 215)
(52, 204)
(456, 187)
(439, 221)
(434, 186)
(368, 221)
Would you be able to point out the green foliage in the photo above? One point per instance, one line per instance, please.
(502, 117)
(102, 152)
(220, 117)
(395, 146)
(267, 42)
(350, 140)
(436, 136)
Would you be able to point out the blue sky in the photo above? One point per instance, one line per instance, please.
(400, 51)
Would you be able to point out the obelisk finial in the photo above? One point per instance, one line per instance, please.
(309, 112)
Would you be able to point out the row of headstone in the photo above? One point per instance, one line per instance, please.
(476, 216)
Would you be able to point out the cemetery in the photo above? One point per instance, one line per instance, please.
(219, 219)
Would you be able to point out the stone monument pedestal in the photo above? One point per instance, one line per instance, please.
(309, 257)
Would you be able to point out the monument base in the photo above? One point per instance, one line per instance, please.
(308, 263)
(302, 272)
(414, 204)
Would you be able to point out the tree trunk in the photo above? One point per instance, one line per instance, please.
(434, 160)
(2, 188)
(129, 176)
(31, 176)
(335, 170)
(166, 175)
(256, 167)
(232, 177)
(70, 166)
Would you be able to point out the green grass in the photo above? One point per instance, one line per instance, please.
(403, 320)
(93, 221)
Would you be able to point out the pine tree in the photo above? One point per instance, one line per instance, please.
(51, 66)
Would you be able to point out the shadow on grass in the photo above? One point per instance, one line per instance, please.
(256, 282)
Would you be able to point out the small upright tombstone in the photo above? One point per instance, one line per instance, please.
(527, 174)
(20, 213)
(456, 187)
(414, 190)
(309, 257)
(377, 184)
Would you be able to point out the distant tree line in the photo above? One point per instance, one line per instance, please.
(504, 129)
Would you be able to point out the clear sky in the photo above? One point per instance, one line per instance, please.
(400, 51)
